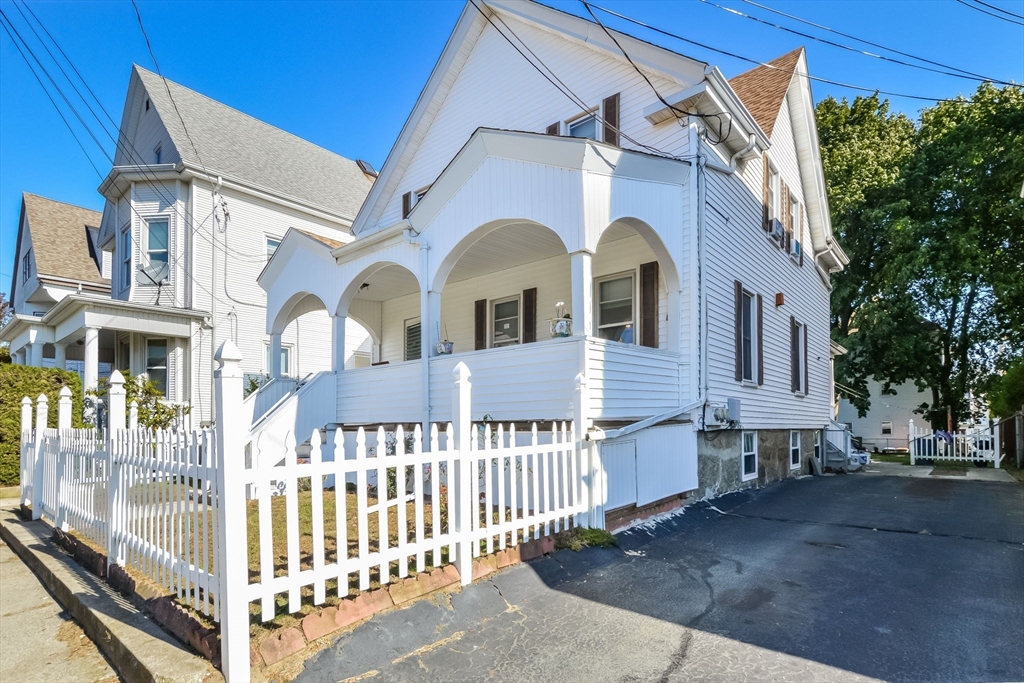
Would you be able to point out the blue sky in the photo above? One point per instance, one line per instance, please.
(345, 74)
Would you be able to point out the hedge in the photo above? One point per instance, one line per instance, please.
(16, 382)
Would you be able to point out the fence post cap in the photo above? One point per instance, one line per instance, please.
(134, 404)
(461, 371)
(116, 378)
(227, 352)
(580, 380)
(64, 393)
(26, 401)
(43, 399)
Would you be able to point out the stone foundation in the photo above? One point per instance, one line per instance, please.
(719, 467)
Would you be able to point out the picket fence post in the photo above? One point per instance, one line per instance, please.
(115, 430)
(42, 409)
(913, 441)
(581, 426)
(63, 472)
(64, 409)
(461, 399)
(232, 572)
(28, 451)
(133, 414)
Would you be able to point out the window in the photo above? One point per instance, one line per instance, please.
(505, 322)
(886, 427)
(156, 363)
(615, 309)
(817, 445)
(749, 457)
(748, 335)
(158, 154)
(272, 244)
(585, 127)
(126, 256)
(156, 249)
(794, 449)
(412, 339)
(798, 357)
(286, 359)
(774, 195)
(26, 266)
(794, 220)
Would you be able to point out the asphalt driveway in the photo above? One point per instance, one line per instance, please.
(839, 578)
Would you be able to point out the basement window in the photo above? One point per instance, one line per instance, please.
(794, 449)
(749, 456)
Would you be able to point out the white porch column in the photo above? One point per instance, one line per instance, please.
(337, 342)
(430, 318)
(582, 294)
(275, 356)
(60, 356)
(34, 353)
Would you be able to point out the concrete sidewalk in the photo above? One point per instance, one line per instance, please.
(895, 469)
(39, 642)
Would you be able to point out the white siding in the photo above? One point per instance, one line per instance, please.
(896, 408)
(650, 465)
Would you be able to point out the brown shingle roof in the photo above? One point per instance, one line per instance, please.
(60, 243)
(763, 88)
(333, 244)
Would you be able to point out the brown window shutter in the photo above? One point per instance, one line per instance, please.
(553, 129)
(529, 315)
(760, 341)
(767, 180)
(480, 324)
(739, 330)
(807, 369)
(649, 304)
(406, 204)
(610, 108)
(801, 236)
(794, 356)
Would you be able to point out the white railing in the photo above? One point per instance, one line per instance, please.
(973, 445)
(172, 504)
(309, 407)
(630, 382)
(259, 403)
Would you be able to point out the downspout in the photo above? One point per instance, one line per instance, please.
(413, 237)
(213, 298)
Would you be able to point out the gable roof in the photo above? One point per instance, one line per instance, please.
(60, 239)
(763, 88)
(238, 146)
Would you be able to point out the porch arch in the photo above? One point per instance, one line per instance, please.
(388, 279)
(296, 305)
(619, 229)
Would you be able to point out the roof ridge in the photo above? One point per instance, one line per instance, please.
(57, 201)
(242, 113)
(771, 62)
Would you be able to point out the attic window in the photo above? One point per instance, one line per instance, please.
(366, 168)
(147, 104)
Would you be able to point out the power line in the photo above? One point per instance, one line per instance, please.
(770, 66)
(847, 47)
(991, 14)
(862, 40)
(1000, 9)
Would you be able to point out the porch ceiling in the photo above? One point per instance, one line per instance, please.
(507, 247)
(388, 283)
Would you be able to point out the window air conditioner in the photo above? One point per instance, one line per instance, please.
(776, 230)
(794, 251)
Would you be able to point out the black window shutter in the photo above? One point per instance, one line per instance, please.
(552, 129)
(649, 304)
(807, 369)
(801, 236)
(413, 350)
(794, 356)
(764, 204)
(611, 119)
(529, 315)
(406, 204)
(760, 341)
(739, 330)
(480, 324)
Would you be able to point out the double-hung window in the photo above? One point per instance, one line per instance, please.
(156, 363)
(157, 253)
(126, 256)
(887, 428)
(286, 359)
(505, 322)
(794, 449)
(774, 194)
(26, 266)
(798, 356)
(749, 456)
(272, 244)
(748, 336)
(413, 336)
(616, 309)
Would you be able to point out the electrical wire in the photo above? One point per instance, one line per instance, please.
(991, 14)
(770, 66)
(862, 40)
(847, 47)
(1000, 9)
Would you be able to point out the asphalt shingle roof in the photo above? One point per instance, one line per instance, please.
(762, 89)
(236, 145)
(60, 243)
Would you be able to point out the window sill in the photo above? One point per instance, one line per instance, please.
(748, 477)
(799, 394)
(749, 383)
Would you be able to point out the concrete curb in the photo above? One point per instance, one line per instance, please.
(137, 647)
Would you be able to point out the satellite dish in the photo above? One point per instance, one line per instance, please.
(156, 272)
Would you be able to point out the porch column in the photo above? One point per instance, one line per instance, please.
(275, 356)
(430, 318)
(582, 294)
(34, 354)
(337, 342)
(92, 359)
(60, 356)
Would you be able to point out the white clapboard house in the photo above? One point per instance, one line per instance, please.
(672, 249)
(199, 198)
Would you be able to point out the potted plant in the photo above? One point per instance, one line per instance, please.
(444, 348)
(561, 324)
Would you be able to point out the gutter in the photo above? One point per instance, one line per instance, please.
(601, 435)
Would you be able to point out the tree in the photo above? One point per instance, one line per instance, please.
(939, 302)
(6, 313)
(154, 413)
(1005, 393)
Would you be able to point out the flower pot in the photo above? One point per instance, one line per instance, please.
(560, 327)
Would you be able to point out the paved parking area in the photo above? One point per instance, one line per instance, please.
(844, 578)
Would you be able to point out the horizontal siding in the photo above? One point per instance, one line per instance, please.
(627, 382)
(650, 465)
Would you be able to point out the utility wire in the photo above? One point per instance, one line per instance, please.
(770, 66)
(847, 47)
(991, 14)
(862, 40)
(1000, 9)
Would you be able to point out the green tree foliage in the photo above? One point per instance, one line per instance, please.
(17, 382)
(154, 413)
(1006, 392)
(935, 291)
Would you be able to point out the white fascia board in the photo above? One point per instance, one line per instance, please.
(19, 326)
(731, 102)
(391, 235)
(265, 193)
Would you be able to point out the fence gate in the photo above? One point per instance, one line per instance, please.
(978, 445)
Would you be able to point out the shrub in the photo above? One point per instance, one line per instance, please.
(16, 382)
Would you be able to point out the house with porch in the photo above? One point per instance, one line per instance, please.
(568, 205)
(198, 199)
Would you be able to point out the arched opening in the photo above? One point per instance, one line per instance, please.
(635, 287)
(302, 324)
(384, 301)
(500, 285)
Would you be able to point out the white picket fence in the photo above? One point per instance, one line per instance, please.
(976, 445)
(172, 504)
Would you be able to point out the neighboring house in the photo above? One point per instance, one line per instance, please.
(695, 263)
(886, 424)
(198, 199)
